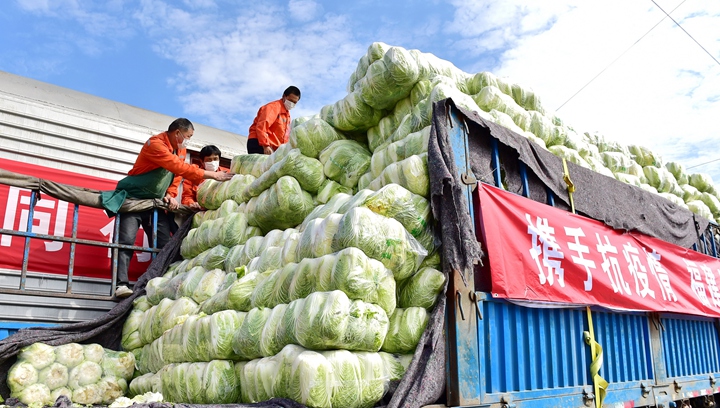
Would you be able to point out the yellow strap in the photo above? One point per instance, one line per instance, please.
(596, 352)
(570, 184)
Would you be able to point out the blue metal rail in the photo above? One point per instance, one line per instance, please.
(521, 355)
(28, 234)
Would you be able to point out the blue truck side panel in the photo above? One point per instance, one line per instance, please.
(530, 355)
(7, 329)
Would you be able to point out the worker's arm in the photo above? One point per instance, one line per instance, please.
(189, 192)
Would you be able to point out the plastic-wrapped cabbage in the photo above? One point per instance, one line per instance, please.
(546, 130)
(155, 289)
(206, 190)
(40, 355)
(413, 144)
(491, 97)
(34, 394)
(274, 289)
(351, 113)
(250, 250)
(119, 364)
(164, 316)
(271, 259)
(289, 249)
(712, 202)
(21, 375)
(306, 170)
(151, 359)
(246, 342)
(365, 180)
(203, 338)
(330, 189)
(312, 136)
(201, 383)
(662, 180)
(344, 161)
(690, 193)
(617, 162)
(309, 379)
(406, 327)
(209, 285)
(85, 373)
(389, 79)
(678, 171)
(381, 238)
(150, 382)
(232, 260)
(93, 352)
(360, 277)
(284, 205)
(411, 173)
(700, 208)
(411, 210)
(72, 354)
(569, 155)
(245, 164)
(322, 211)
(111, 388)
(422, 289)
(598, 166)
(644, 157)
(236, 297)
(648, 188)
(629, 179)
(701, 181)
(674, 199)
(316, 240)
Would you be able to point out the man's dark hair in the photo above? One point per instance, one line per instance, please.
(209, 150)
(294, 90)
(180, 123)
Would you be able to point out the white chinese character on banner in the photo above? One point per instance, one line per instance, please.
(661, 275)
(611, 266)
(638, 271)
(696, 282)
(580, 250)
(544, 243)
(45, 210)
(109, 232)
(711, 285)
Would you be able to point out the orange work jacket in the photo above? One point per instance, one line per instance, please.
(271, 124)
(158, 152)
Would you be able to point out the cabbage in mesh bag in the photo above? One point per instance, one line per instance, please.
(312, 136)
(381, 238)
(282, 206)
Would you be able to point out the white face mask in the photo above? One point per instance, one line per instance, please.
(181, 141)
(212, 165)
(289, 105)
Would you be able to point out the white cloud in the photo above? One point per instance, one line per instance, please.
(233, 64)
(663, 93)
(303, 10)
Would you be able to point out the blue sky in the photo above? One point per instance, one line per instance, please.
(217, 61)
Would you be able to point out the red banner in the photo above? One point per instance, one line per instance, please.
(55, 217)
(540, 253)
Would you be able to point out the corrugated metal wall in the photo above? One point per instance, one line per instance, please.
(60, 128)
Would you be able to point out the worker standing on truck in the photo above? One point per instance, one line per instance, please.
(157, 173)
(271, 126)
(209, 160)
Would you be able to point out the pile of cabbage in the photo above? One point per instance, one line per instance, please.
(86, 374)
(312, 273)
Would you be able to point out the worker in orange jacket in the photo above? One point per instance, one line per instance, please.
(210, 160)
(157, 173)
(271, 126)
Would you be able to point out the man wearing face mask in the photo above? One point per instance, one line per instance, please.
(157, 173)
(271, 126)
(210, 161)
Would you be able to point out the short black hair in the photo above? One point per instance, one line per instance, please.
(294, 90)
(180, 123)
(209, 150)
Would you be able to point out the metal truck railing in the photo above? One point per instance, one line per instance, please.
(74, 241)
(503, 354)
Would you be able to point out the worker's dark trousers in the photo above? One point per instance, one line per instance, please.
(129, 225)
(253, 147)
